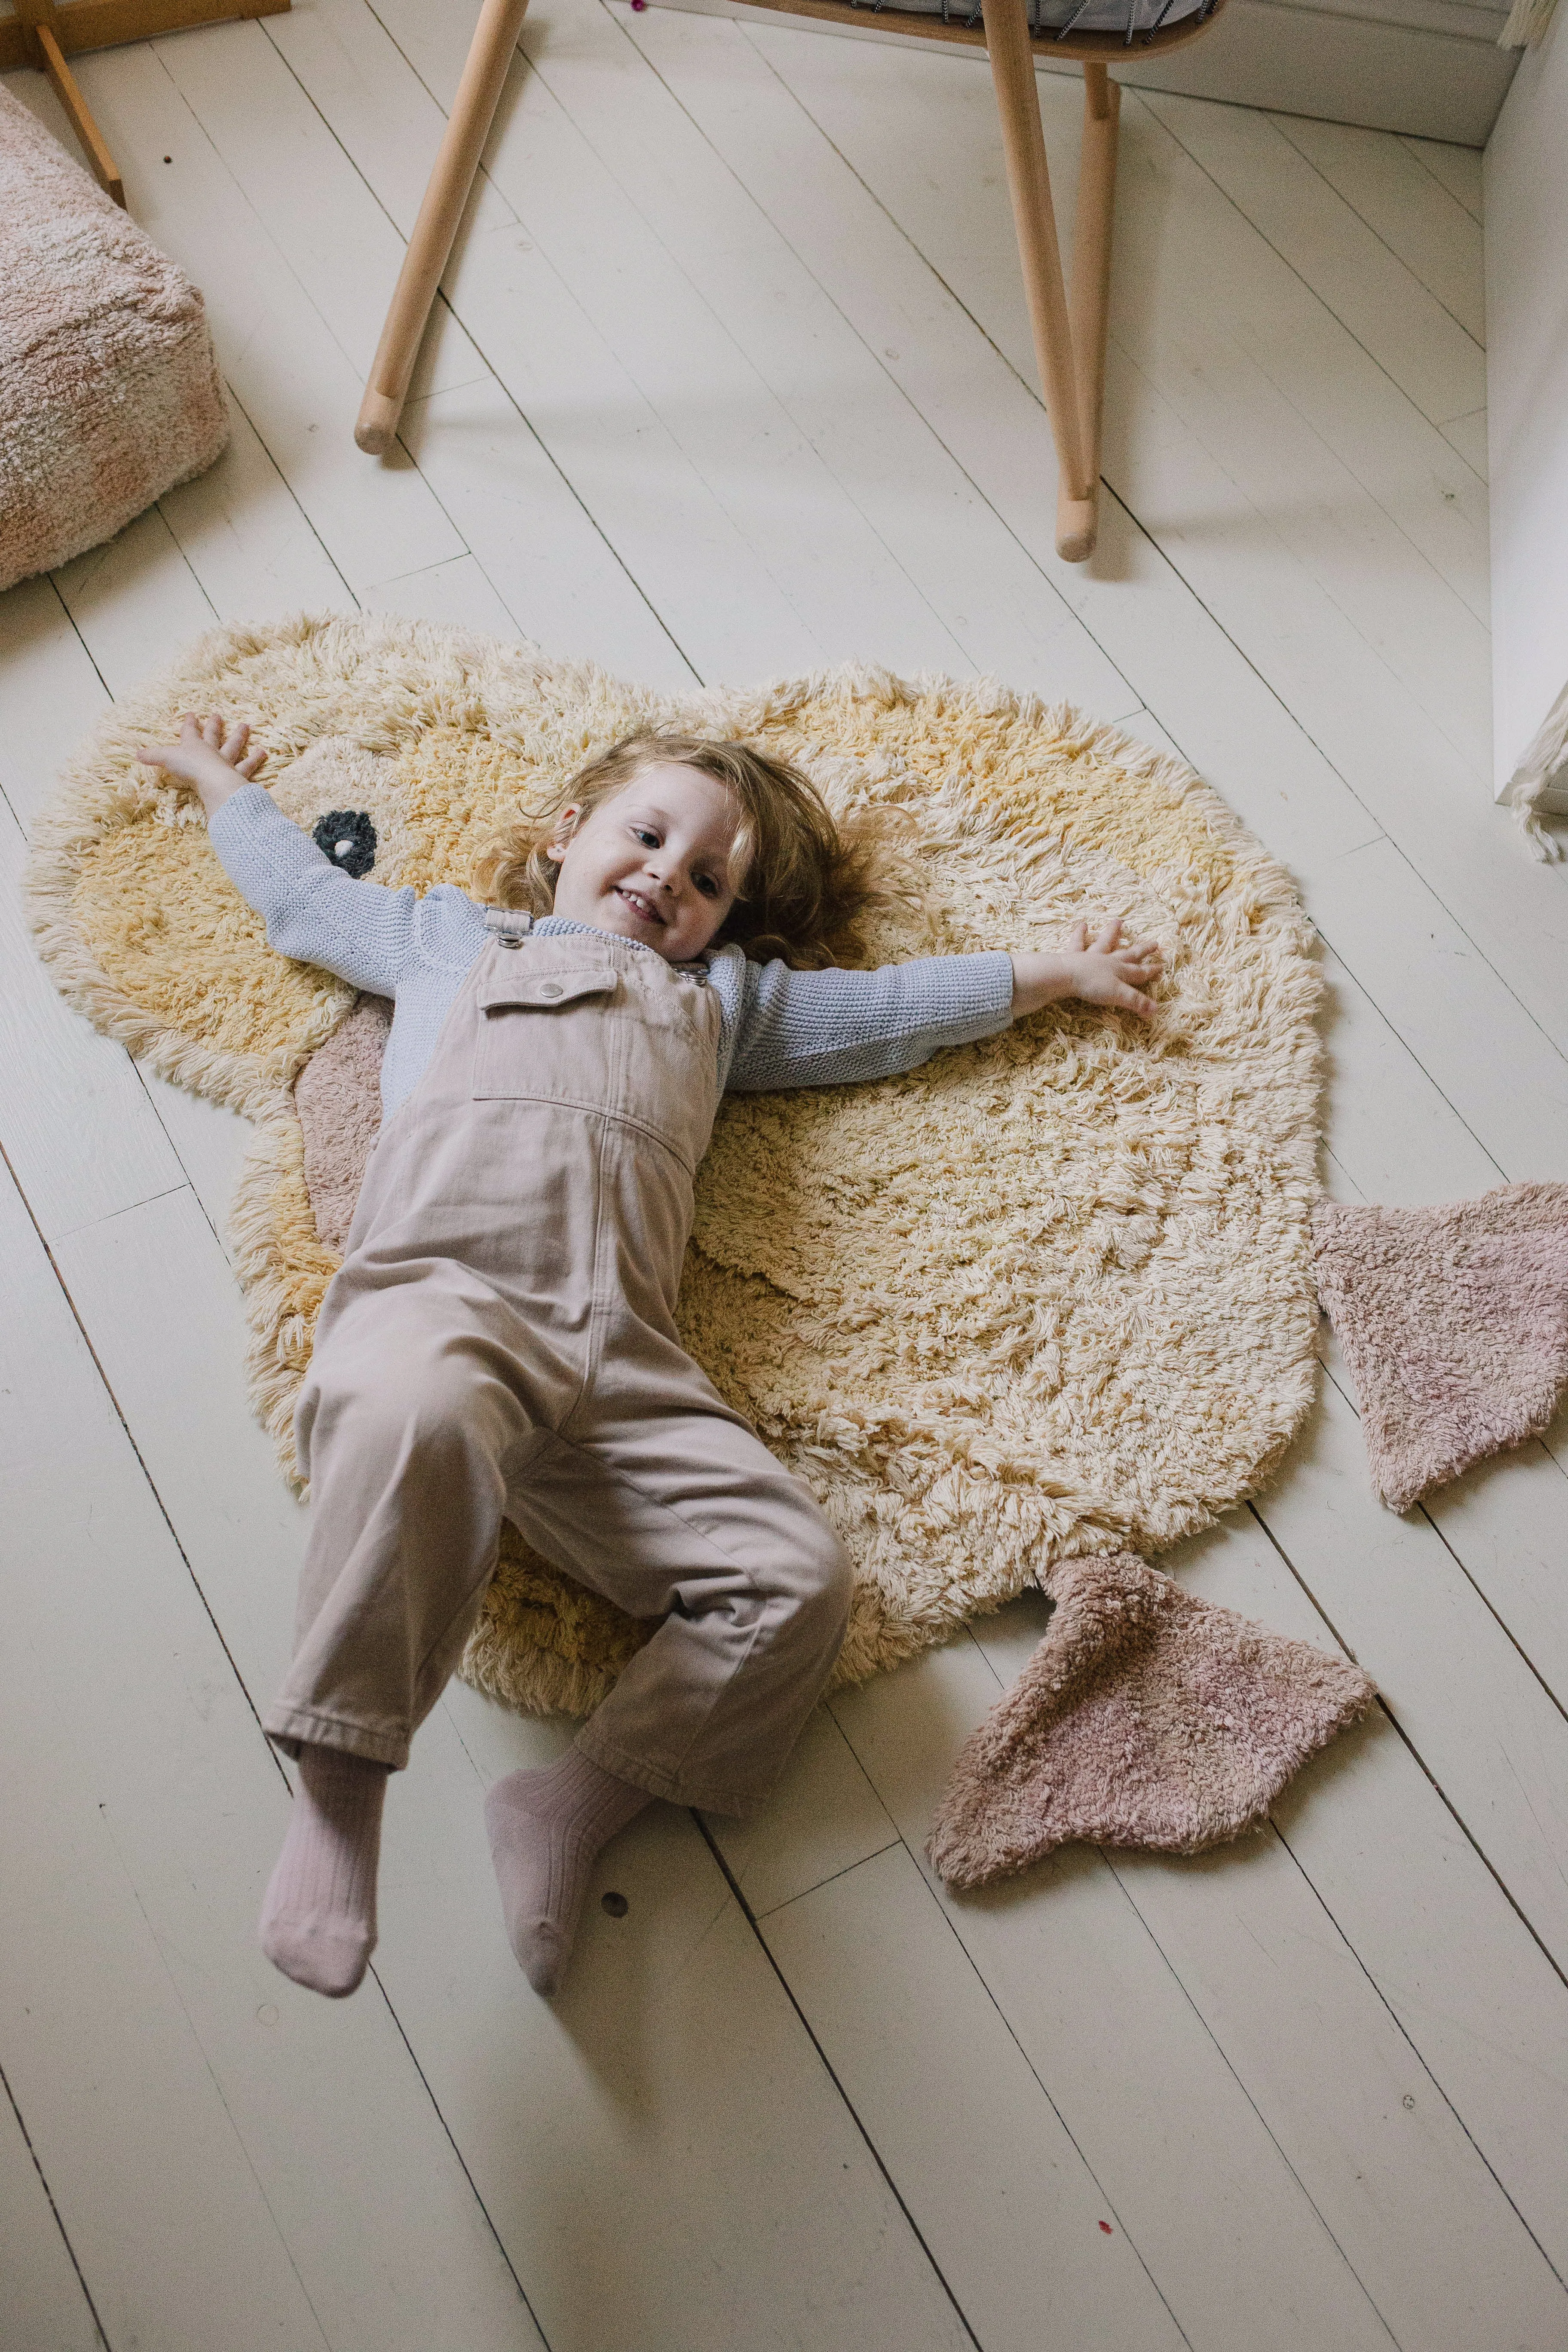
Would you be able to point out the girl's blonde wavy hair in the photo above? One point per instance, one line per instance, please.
(799, 885)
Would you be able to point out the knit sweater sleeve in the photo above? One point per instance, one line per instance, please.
(367, 934)
(827, 1028)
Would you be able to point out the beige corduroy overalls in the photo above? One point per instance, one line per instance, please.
(501, 1342)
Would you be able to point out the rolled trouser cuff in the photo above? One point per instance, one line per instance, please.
(293, 1727)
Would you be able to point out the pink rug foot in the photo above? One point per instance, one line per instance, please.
(1454, 1323)
(338, 1098)
(1146, 1718)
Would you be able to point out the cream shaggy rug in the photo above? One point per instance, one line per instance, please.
(1146, 1718)
(109, 390)
(1050, 1295)
(1454, 1322)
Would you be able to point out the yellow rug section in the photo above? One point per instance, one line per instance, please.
(1049, 1294)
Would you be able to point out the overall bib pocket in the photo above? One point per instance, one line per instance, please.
(526, 1049)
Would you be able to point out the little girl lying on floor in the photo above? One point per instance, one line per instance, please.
(500, 1340)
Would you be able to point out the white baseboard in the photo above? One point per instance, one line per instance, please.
(1429, 69)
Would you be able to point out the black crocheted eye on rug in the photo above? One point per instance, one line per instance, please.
(348, 838)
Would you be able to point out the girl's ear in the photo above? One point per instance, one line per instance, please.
(566, 824)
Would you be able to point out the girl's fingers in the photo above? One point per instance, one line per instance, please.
(234, 742)
(249, 768)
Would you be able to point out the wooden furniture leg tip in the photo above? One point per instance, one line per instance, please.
(1078, 527)
(377, 427)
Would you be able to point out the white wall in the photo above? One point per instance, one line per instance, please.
(1527, 396)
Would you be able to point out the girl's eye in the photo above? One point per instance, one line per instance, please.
(648, 838)
(706, 884)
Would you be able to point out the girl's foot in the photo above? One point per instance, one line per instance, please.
(547, 1830)
(318, 1921)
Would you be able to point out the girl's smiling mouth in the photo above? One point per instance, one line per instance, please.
(642, 907)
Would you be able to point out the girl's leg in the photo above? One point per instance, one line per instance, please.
(685, 1517)
(318, 1920)
(406, 1430)
(547, 1830)
(409, 1428)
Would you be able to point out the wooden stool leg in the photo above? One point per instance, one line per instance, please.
(1039, 254)
(1078, 522)
(478, 93)
(38, 21)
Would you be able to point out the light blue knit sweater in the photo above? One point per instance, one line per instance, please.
(780, 1027)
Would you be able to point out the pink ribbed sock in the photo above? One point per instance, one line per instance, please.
(318, 1919)
(547, 1830)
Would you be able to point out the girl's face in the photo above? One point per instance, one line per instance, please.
(651, 863)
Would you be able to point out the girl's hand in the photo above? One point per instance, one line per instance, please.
(213, 760)
(1100, 969)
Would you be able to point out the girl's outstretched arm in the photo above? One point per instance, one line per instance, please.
(367, 934)
(1100, 969)
(214, 759)
(827, 1028)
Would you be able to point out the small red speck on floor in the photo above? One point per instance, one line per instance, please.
(1108, 2230)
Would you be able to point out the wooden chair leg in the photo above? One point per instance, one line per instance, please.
(1069, 350)
(1078, 522)
(478, 93)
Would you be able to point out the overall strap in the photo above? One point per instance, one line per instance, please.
(508, 925)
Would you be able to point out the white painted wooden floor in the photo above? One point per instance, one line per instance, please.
(735, 379)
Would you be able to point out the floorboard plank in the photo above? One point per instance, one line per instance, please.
(1394, 937)
(1002, 2196)
(233, 2161)
(710, 433)
(133, 598)
(1394, 759)
(597, 2129)
(458, 593)
(557, 574)
(44, 2307)
(1507, 1520)
(294, 173)
(823, 1818)
(991, 599)
(1388, 1125)
(242, 532)
(1379, 2139)
(1193, 2175)
(77, 1128)
(210, 1143)
(667, 2162)
(1461, 1970)
(1356, 483)
(1467, 434)
(52, 693)
(1435, 359)
(1438, 238)
(1475, 1712)
(288, 370)
(1457, 168)
(1219, 710)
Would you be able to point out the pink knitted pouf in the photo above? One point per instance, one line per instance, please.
(109, 390)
